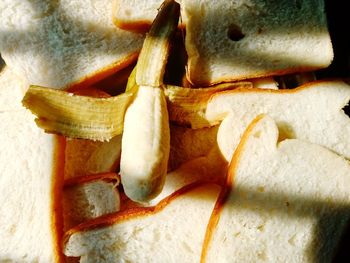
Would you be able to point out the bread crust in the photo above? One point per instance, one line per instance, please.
(56, 200)
(308, 85)
(134, 212)
(199, 82)
(214, 218)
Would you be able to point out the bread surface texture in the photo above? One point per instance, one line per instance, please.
(88, 200)
(174, 231)
(313, 112)
(287, 201)
(30, 183)
(234, 40)
(60, 44)
(12, 89)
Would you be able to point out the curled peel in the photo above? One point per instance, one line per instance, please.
(77, 116)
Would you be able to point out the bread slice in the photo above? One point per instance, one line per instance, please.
(135, 15)
(286, 202)
(65, 43)
(30, 184)
(312, 112)
(172, 231)
(88, 197)
(235, 40)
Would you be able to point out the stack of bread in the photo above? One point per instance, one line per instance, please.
(119, 144)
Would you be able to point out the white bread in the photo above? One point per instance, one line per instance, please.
(11, 90)
(170, 232)
(286, 202)
(312, 112)
(65, 43)
(135, 15)
(30, 184)
(88, 197)
(235, 40)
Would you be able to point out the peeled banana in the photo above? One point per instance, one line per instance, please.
(146, 136)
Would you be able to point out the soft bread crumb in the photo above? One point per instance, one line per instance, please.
(28, 184)
(89, 200)
(291, 197)
(30, 181)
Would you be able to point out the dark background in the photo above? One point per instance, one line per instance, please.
(338, 14)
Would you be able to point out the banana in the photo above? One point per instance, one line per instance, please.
(145, 145)
(146, 135)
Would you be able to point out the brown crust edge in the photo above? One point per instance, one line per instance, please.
(110, 219)
(228, 187)
(56, 200)
(203, 82)
(309, 85)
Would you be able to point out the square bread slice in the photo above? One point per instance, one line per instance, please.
(235, 40)
(66, 43)
(285, 202)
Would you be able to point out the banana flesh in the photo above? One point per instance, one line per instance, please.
(145, 145)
